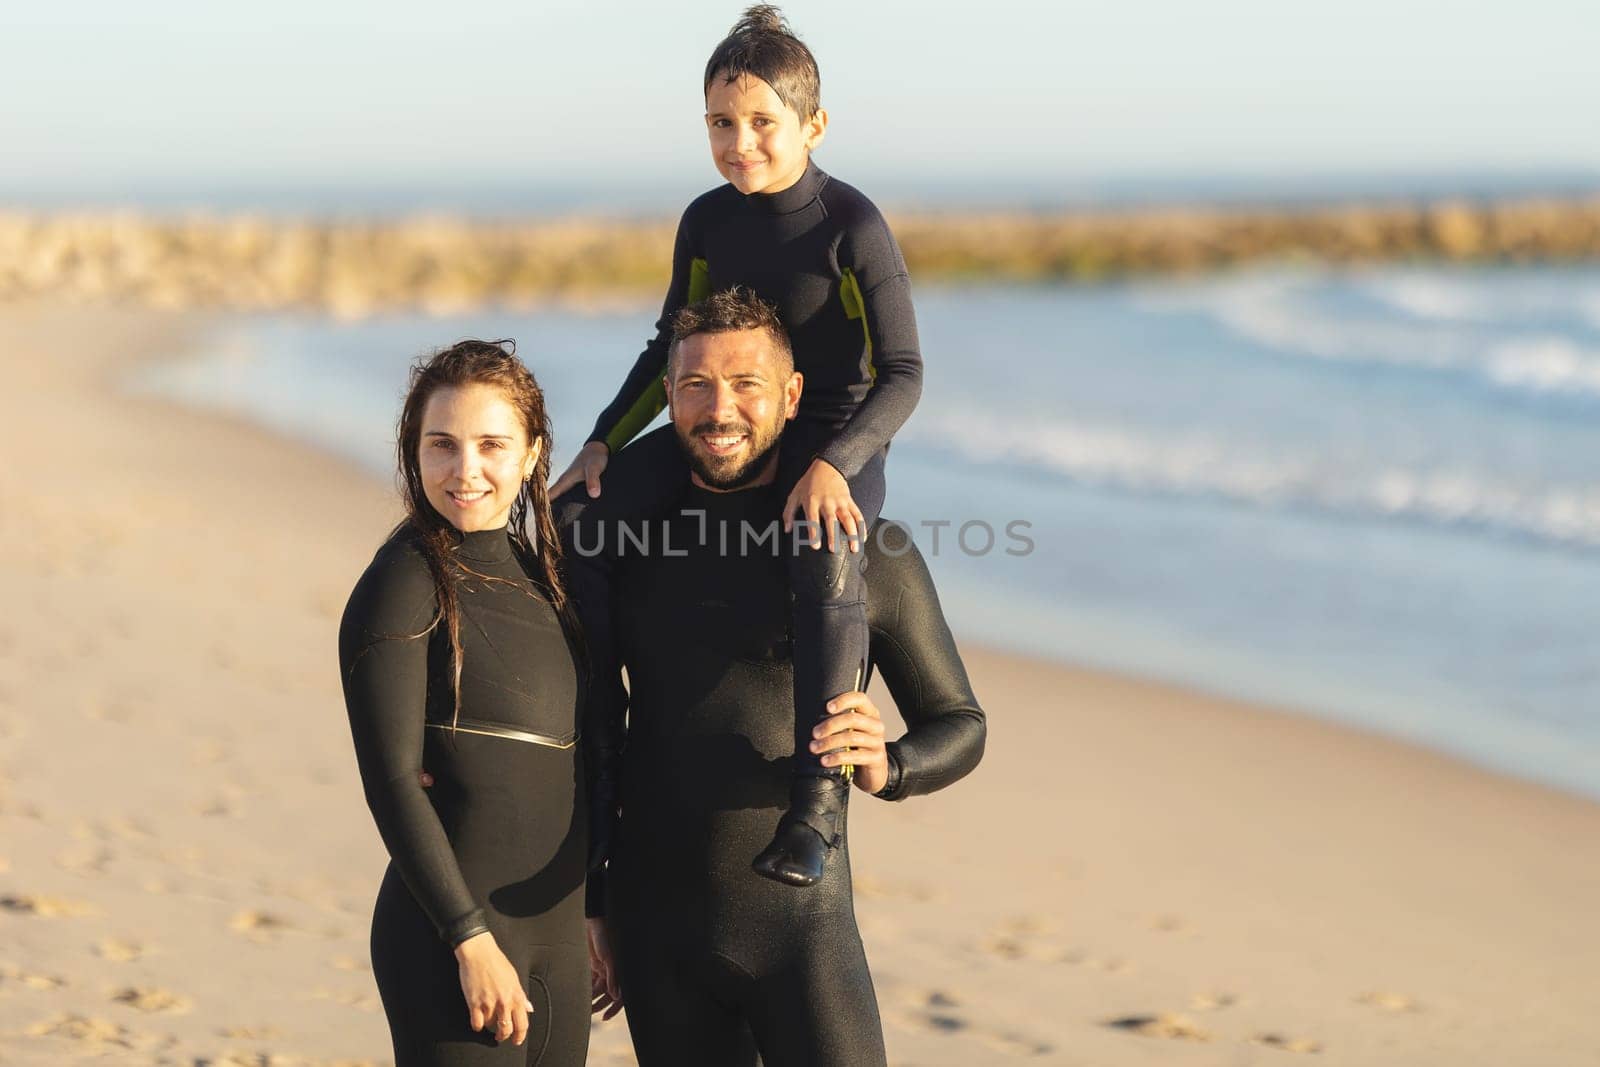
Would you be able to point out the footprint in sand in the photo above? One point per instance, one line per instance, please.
(259, 926)
(1020, 938)
(217, 807)
(82, 1028)
(1015, 1044)
(119, 951)
(1213, 1001)
(45, 907)
(91, 860)
(250, 1033)
(1168, 924)
(29, 980)
(108, 709)
(1396, 1003)
(348, 998)
(937, 1010)
(1076, 958)
(153, 1001)
(1171, 1027)
(1288, 1044)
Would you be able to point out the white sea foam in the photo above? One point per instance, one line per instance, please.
(1280, 314)
(1424, 296)
(1545, 364)
(1203, 466)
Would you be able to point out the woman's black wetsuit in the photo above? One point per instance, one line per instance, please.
(716, 961)
(498, 843)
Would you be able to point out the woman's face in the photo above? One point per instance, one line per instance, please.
(474, 456)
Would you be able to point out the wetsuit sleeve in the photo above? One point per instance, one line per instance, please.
(604, 712)
(877, 289)
(642, 395)
(913, 648)
(383, 657)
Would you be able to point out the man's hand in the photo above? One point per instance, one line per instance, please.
(587, 467)
(824, 497)
(604, 990)
(853, 733)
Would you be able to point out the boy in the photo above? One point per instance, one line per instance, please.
(821, 254)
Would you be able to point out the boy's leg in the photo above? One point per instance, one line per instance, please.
(830, 654)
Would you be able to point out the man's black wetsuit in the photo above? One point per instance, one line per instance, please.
(498, 843)
(716, 961)
(821, 253)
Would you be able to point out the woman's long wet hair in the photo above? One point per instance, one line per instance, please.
(491, 363)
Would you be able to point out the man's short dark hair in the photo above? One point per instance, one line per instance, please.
(762, 44)
(731, 311)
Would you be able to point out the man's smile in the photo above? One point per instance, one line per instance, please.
(722, 444)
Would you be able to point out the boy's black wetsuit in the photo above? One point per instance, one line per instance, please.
(716, 961)
(820, 253)
(498, 843)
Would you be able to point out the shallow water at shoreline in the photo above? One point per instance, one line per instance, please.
(1371, 496)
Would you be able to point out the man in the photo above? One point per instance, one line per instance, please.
(714, 962)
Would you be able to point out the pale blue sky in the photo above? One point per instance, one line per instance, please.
(351, 94)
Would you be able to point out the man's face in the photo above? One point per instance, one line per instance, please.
(729, 397)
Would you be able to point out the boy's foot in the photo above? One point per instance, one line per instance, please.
(807, 832)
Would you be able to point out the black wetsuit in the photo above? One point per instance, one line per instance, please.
(498, 842)
(716, 961)
(822, 254)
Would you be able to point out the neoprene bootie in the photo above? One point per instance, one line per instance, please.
(808, 831)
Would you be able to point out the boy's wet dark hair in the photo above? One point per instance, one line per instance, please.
(761, 44)
(727, 311)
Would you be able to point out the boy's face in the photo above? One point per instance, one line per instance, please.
(758, 142)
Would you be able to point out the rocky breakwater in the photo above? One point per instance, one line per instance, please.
(445, 265)
(248, 263)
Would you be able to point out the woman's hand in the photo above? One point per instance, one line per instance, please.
(605, 991)
(853, 733)
(587, 467)
(824, 497)
(495, 998)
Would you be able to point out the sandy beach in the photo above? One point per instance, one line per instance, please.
(1136, 874)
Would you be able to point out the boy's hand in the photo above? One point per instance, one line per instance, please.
(586, 467)
(824, 497)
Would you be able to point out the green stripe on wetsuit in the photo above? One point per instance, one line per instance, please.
(822, 255)
(654, 398)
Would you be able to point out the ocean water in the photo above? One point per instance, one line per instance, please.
(1372, 496)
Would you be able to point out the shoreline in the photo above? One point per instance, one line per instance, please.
(1135, 874)
(1183, 662)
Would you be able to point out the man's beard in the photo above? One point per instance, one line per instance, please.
(729, 472)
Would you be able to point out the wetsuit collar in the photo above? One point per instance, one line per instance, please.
(797, 196)
(757, 501)
(484, 546)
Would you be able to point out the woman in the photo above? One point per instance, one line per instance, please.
(457, 651)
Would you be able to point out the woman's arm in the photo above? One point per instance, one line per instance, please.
(913, 647)
(383, 657)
